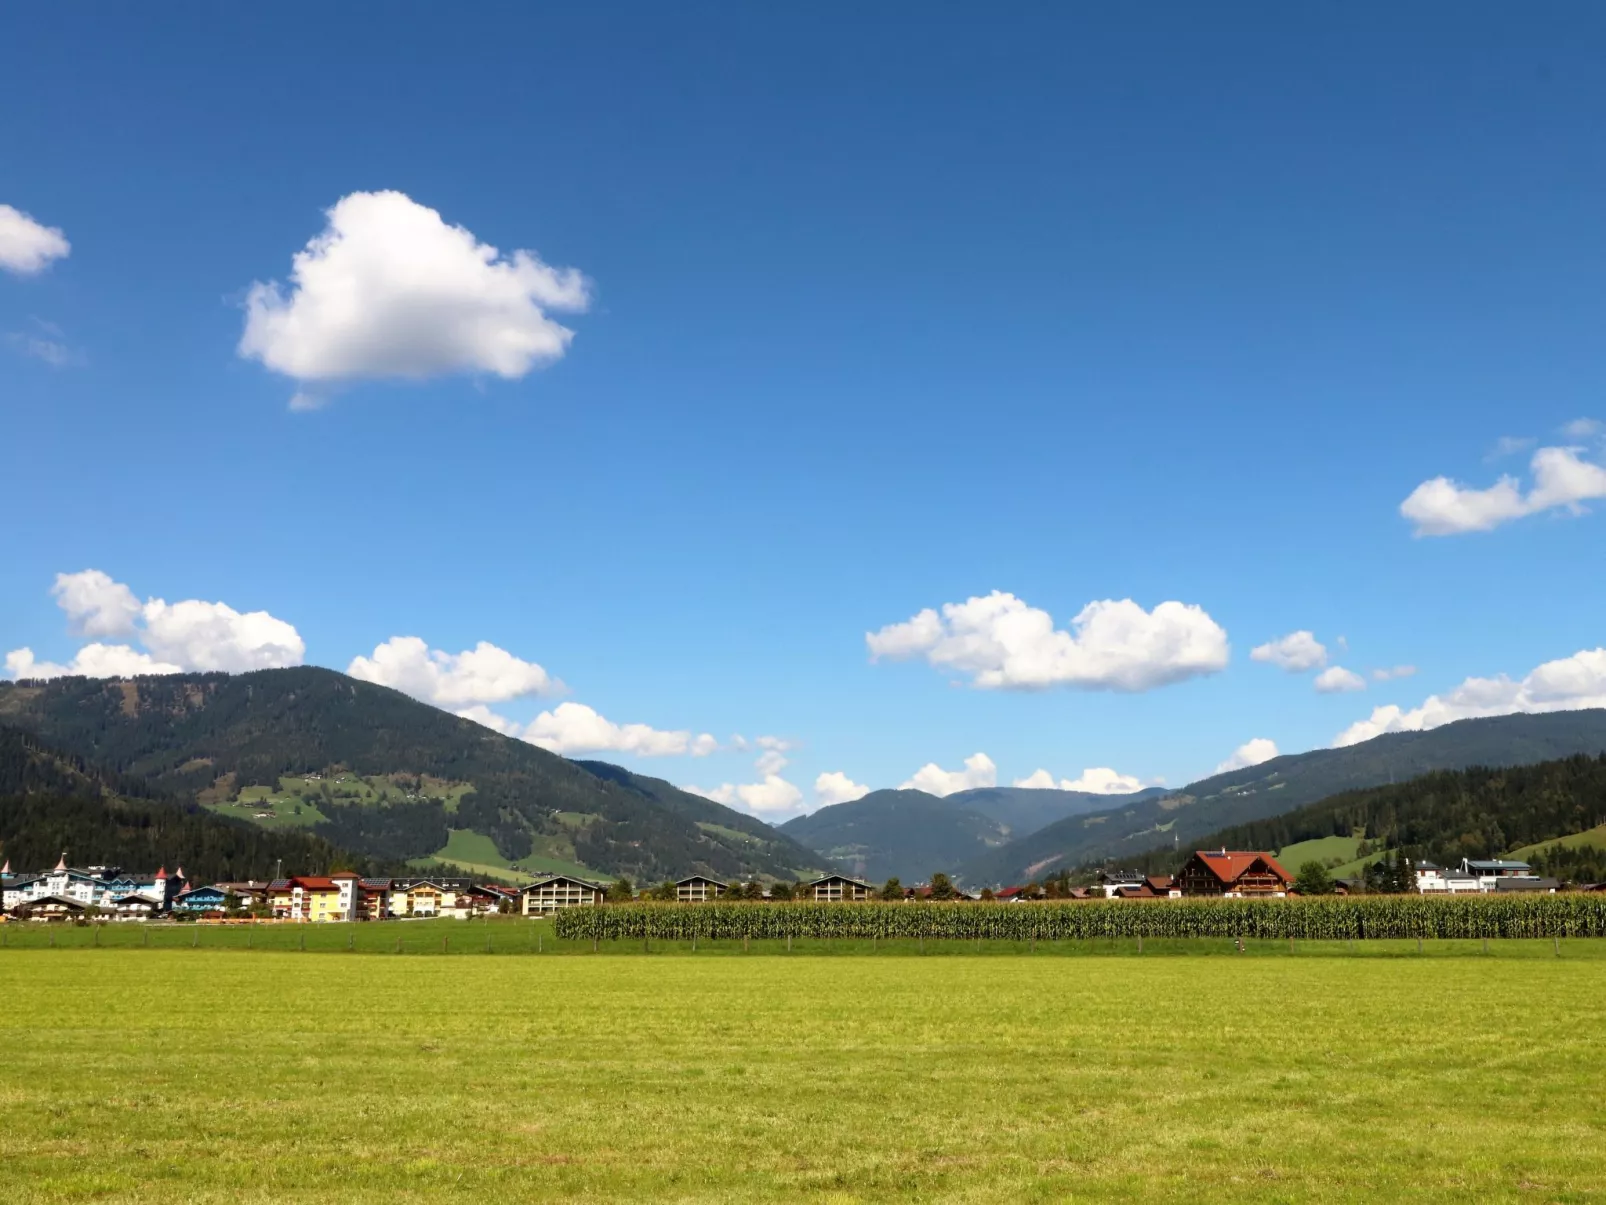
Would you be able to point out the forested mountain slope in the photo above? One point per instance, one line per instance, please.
(53, 803)
(1286, 784)
(1443, 817)
(218, 738)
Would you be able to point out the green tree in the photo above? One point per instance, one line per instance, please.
(987, 894)
(622, 891)
(1313, 879)
(892, 889)
(942, 887)
(782, 891)
(665, 891)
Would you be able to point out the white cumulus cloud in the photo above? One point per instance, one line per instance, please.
(1335, 680)
(770, 796)
(26, 246)
(390, 290)
(1250, 753)
(214, 636)
(180, 637)
(1002, 643)
(576, 728)
(482, 674)
(1562, 480)
(1098, 780)
(931, 778)
(836, 787)
(1295, 652)
(96, 605)
(1566, 684)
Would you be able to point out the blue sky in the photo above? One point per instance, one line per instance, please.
(880, 311)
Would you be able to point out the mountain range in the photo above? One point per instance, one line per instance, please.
(908, 834)
(313, 766)
(387, 777)
(1285, 784)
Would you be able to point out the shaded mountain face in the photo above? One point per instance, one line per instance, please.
(386, 775)
(1024, 810)
(1284, 784)
(907, 834)
(52, 803)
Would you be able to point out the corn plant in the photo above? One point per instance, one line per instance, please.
(1318, 918)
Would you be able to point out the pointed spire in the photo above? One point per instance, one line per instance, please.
(6, 869)
(161, 874)
(179, 874)
(62, 865)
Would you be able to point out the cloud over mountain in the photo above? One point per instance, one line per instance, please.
(1566, 684)
(191, 635)
(1001, 643)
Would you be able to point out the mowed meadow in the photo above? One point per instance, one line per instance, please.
(201, 1074)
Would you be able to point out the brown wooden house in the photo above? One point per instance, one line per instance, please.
(1232, 872)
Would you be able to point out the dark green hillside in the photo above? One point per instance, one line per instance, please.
(1442, 817)
(52, 803)
(1286, 784)
(218, 735)
(909, 834)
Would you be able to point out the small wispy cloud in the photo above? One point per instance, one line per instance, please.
(1509, 445)
(40, 347)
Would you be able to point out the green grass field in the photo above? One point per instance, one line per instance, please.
(212, 1074)
(1324, 850)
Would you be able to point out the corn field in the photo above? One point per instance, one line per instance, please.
(1329, 918)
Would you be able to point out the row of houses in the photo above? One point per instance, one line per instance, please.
(65, 892)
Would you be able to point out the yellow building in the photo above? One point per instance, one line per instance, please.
(335, 897)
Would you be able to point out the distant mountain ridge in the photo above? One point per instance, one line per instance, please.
(207, 737)
(1285, 784)
(910, 834)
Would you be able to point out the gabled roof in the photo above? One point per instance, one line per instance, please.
(842, 878)
(1496, 864)
(701, 878)
(1229, 865)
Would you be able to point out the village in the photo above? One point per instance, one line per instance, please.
(106, 893)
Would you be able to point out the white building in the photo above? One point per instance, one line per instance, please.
(93, 886)
(1432, 879)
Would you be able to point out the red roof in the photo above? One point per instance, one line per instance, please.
(310, 882)
(1159, 882)
(1232, 864)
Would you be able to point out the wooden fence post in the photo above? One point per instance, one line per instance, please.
(302, 937)
(446, 943)
(1140, 943)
